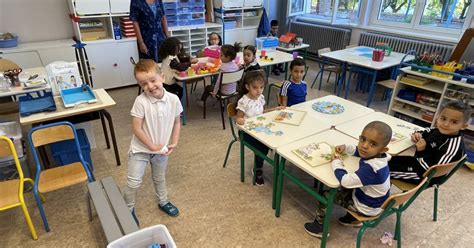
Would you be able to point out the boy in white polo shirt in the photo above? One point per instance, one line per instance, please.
(156, 127)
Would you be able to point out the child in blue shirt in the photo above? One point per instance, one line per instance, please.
(294, 91)
(365, 190)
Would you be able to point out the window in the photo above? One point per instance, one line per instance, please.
(396, 11)
(346, 11)
(445, 13)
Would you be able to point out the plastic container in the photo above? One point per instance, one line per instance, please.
(145, 238)
(8, 169)
(230, 24)
(64, 152)
(30, 105)
(12, 130)
(268, 43)
(78, 95)
(8, 42)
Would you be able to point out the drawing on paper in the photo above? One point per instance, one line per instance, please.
(396, 137)
(315, 153)
(328, 107)
(260, 127)
(408, 127)
(290, 116)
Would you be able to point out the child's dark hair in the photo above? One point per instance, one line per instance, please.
(383, 129)
(218, 35)
(274, 23)
(231, 50)
(249, 78)
(168, 47)
(297, 62)
(251, 48)
(460, 106)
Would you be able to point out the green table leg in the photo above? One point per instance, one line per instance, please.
(286, 70)
(183, 102)
(279, 184)
(242, 157)
(305, 54)
(276, 170)
(327, 217)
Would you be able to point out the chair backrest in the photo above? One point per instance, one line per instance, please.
(7, 148)
(402, 198)
(51, 133)
(323, 51)
(231, 77)
(231, 113)
(444, 170)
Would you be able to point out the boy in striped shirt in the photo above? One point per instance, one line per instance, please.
(440, 145)
(364, 190)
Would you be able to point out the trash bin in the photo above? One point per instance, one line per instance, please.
(144, 238)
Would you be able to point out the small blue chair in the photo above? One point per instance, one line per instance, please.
(58, 177)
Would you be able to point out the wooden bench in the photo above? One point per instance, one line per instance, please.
(111, 208)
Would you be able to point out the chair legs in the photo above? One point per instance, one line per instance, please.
(398, 231)
(28, 220)
(435, 204)
(41, 210)
(221, 102)
(228, 152)
(360, 234)
(316, 78)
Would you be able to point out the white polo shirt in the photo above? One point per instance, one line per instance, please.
(158, 119)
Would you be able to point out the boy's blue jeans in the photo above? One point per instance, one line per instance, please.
(137, 163)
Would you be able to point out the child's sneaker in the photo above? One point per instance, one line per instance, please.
(349, 220)
(134, 216)
(259, 178)
(169, 209)
(314, 229)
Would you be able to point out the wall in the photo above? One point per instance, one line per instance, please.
(36, 20)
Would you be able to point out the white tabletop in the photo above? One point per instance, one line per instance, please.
(20, 90)
(278, 57)
(362, 56)
(290, 133)
(355, 127)
(351, 110)
(322, 173)
(103, 101)
(291, 49)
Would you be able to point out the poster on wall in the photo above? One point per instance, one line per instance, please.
(296, 7)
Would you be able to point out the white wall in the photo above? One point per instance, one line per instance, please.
(36, 20)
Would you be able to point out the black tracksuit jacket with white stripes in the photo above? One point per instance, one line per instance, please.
(440, 148)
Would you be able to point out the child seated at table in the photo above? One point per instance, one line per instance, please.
(441, 145)
(251, 103)
(174, 58)
(214, 39)
(250, 61)
(294, 90)
(228, 54)
(364, 190)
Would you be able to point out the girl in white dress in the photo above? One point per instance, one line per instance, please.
(251, 103)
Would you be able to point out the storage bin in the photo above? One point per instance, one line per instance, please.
(171, 18)
(267, 43)
(231, 24)
(64, 152)
(198, 22)
(145, 238)
(172, 23)
(8, 169)
(12, 130)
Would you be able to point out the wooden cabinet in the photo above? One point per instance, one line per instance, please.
(429, 96)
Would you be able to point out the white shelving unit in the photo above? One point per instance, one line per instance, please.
(242, 23)
(109, 59)
(194, 38)
(439, 88)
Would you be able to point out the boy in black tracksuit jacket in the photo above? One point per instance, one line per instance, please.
(440, 145)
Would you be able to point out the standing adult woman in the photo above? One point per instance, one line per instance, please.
(150, 26)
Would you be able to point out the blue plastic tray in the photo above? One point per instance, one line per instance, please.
(31, 105)
(364, 49)
(74, 96)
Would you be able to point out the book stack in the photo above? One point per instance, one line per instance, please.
(127, 27)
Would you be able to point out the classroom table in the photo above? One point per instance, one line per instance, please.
(351, 110)
(322, 173)
(280, 134)
(296, 48)
(20, 90)
(278, 57)
(104, 101)
(361, 57)
(401, 130)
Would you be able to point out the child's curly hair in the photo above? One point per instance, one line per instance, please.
(231, 50)
(169, 47)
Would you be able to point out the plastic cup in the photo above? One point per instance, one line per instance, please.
(295, 55)
(263, 53)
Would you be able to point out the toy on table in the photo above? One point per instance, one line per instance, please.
(326, 107)
(385, 47)
(12, 75)
(288, 40)
(266, 58)
(316, 154)
(378, 55)
(212, 52)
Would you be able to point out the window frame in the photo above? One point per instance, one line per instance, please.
(333, 19)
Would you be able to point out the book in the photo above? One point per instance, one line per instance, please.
(396, 137)
(315, 154)
(290, 116)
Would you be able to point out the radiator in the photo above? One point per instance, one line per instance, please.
(320, 36)
(404, 45)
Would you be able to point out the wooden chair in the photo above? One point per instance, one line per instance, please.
(226, 78)
(57, 177)
(443, 173)
(325, 66)
(231, 113)
(278, 85)
(396, 203)
(11, 191)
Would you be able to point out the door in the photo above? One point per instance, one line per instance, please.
(119, 6)
(104, 65)
(125, 50)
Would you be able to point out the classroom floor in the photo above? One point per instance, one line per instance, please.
(217, 210)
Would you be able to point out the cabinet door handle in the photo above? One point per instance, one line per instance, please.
(92, 67)
(115, 64)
